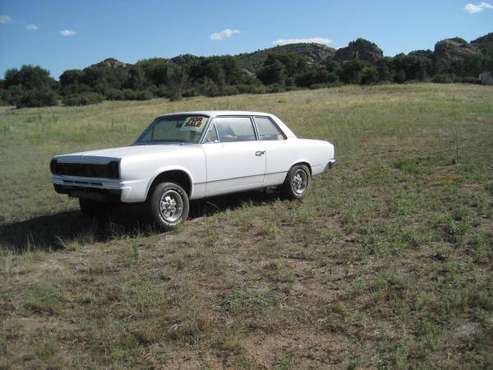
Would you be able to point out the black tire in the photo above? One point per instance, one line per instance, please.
(292, 188)
(93, 208)
(169, 205)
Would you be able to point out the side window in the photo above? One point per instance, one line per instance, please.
(211, 136)
(234, 129)
(268, 130)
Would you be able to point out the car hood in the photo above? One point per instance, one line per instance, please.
(105, 155)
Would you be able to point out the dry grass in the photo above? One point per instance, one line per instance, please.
(387, 263)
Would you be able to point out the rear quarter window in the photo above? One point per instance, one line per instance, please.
(268, 130)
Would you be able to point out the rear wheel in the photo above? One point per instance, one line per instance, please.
(169, 205)
(297, 183)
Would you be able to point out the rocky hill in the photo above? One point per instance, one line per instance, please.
(485, 42)
(455, 48)
(110, 62)
(359, 49)
(313, 53)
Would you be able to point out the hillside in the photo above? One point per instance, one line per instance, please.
(386, 264)
(269, 70)
(312, 53)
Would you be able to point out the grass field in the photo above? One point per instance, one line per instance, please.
(386, 264)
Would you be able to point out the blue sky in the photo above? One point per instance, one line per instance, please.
(65, 34)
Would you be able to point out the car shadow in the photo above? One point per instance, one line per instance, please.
(53, 232)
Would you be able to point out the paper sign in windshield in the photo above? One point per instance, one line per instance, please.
(193, 123)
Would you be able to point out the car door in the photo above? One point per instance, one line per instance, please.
(235, 159)
(279, 154)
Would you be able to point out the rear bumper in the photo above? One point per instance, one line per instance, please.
(330, 164)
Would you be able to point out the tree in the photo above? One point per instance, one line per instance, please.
(136, 78)
(177, 78)
(29, 77)
(369, 75)
(312, 75)
(272, 72)
(352, 71)
(70, 81)
(30, 86)
(333, 71)
(385, 69)
(37, 98)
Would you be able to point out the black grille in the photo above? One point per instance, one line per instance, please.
(109, 171)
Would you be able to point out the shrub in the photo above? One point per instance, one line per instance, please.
(175, 95)
(443, 78)
(369, 75)
(190, 92)
(162, 91)
(115, 94)
(37, 98)
(229, 90)
(275, 88)
(209, 88)
(137, 95)
(83, 99)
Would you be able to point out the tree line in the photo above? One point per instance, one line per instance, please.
(186, 76)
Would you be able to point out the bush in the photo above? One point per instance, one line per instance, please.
(175, 94)
(369, 75)
(443, 78)
(229, 90)
(251, 89)
(275, 88)
(37, 98)
(82, 99)
(137, 95)
(190, 92)
(162, 91)
(115, 94)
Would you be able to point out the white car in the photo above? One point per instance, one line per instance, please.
(192, 155)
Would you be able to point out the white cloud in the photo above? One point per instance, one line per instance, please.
(68, 33)
(477, 8)
(4, 19)
(311, 40)
(224, 34)
(32, 27)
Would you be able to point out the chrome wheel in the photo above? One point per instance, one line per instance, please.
(171, 206)
(299, 181)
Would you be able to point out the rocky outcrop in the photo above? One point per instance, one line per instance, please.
(111, 62)
(183, 59)
(421, 53)
(455, 48)
(484, 42)
(359, 49)
(311, 52)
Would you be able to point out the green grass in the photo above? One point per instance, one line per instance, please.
(387, 263)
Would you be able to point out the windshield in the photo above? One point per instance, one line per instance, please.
(183, 128)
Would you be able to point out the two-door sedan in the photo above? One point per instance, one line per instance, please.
(192, 155)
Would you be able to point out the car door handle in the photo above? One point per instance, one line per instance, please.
(258, 153)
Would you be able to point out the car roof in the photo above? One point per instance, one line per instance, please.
(215, 113)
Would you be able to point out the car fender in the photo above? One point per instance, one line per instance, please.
(168, 168)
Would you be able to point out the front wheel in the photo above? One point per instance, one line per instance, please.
(169, 205)
(297, 183)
